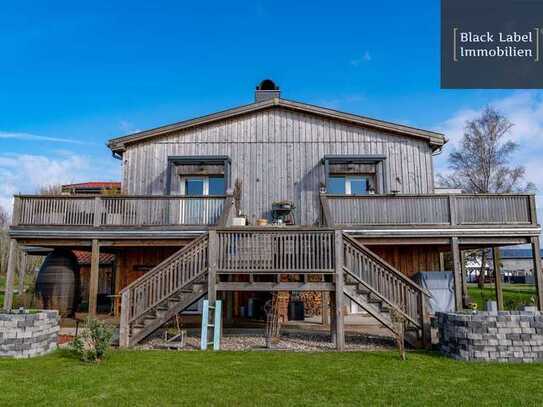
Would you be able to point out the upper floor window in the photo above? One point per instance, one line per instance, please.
(354, 175)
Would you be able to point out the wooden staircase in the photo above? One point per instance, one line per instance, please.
(381, 290)
(166, 290)
(181, 280)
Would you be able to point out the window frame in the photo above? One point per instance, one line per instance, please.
(380, 185)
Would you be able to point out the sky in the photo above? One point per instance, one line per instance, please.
(75, 74)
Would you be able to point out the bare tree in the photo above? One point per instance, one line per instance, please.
(482, 164)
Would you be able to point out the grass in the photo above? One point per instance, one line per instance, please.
(514, 295)
(163, 378)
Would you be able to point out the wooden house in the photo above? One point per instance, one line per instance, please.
(366, 215)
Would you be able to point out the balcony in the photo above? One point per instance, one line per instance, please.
(431, 210)
(117, 211)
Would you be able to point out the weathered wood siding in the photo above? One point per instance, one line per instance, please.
(409, 259)
(276, 153)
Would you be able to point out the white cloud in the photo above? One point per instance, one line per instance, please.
(26, 173)
(366, 57)
(34, 137)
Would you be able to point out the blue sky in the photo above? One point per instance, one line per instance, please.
(74, 75)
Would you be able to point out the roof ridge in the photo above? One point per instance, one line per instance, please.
(118, 144)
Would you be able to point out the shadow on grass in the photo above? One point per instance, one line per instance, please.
(67, 353)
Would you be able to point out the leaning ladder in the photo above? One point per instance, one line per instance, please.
(215, 324)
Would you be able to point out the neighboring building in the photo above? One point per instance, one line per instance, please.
(92, 188)
(360, 191)
(517, 265)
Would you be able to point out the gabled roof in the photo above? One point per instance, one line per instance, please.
(436, 140)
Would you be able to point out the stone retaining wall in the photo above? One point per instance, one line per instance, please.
(505, 336)
(28, 335)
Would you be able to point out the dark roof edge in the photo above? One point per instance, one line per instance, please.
(118, 144)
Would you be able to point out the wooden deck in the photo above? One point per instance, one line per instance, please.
(374, 216)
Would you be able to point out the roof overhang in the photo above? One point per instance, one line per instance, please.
(436, 140)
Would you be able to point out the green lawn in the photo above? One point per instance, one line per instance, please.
(162, 378)
(514, 295)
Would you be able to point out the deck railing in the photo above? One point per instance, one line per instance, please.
(98, 211)
(430, 209)
(261, 250)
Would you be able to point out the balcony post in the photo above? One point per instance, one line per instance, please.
(340, 309)
(12, 260)
(457, 273)
(453, 216)
(94, 274)
(97, 211)
(326, 217)
(536, 256)
(533, 210)
(16, 217)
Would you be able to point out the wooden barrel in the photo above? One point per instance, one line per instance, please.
(57, 284)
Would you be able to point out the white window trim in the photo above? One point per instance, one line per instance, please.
(349, 179)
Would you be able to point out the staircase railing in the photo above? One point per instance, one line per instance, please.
(162, 282)
(384, 281)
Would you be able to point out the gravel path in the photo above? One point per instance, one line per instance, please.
(294, 342)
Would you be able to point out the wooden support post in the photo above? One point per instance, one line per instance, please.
(212, 268)
(118, 283)
(538, 275)
(124, 328)
(465, 295)
(425, 319)
(457, 273)
(93, 280)
(22, 272)
(332, 310)
(340, 309)
(12, 261)
(496, 261)
(325, 303)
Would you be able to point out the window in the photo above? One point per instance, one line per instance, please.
(348, 185)
(354, 174)
(202, 186)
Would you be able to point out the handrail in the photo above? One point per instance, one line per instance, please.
(386, 265)
(380, 296)
(165, 262)
(119, 196)
(164, 280)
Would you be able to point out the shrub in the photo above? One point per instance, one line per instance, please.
(94, 342)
